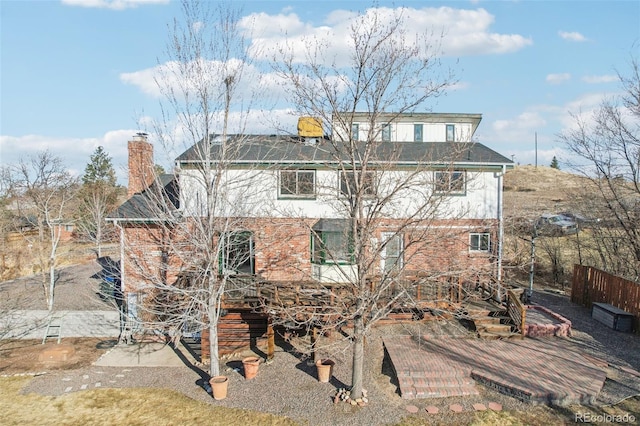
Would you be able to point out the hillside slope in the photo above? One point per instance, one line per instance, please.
(531, 191)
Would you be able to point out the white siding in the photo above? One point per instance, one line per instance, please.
(403, 132)
(254, 193)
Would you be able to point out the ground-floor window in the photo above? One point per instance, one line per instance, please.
(480, 241)
(236, 252)
(392, 246)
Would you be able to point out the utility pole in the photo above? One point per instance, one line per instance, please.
(536, 148)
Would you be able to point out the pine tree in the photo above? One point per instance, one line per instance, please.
(100, 169)
(98, 195)
(554, 163)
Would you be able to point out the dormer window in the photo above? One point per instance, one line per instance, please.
(417, 133)
(386, 132)
(451, 133)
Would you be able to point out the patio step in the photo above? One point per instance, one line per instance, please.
(496, 335)
(486, 320)
(441, 385)
(494, 328)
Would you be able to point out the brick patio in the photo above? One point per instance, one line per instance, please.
(535, 370)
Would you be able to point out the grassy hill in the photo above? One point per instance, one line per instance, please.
(531, 191)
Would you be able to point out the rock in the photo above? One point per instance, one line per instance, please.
(353, 402)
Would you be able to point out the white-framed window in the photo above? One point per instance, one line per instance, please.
(355, 131)
(450, 182)
(297, 184)
(417, 133)
(451, 133)
(348, 185)
(391, 253)
(386, 132)
(480, 241)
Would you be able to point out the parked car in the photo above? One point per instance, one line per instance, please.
(579, 219)
(555, 225)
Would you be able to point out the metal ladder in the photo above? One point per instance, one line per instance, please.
(54, 328)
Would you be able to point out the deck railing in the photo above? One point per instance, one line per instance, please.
(517, 310)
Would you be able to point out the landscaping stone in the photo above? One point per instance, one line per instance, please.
(479, 407)
(495, 406)
(432, 409)
(456, 408)
(412, 409)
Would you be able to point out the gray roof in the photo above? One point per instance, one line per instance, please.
(147, 205)
(274, 150)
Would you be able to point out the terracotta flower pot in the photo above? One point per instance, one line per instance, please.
(325, 370)
(219, 386)
(250, 366)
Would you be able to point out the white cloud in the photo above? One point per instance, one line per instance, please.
(74, 152)
(187, 77)
(465, 32)
(597, 79)
(558, 78)
(572, 36)
(112, 4)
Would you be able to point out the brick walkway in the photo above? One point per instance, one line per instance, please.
(543, 371)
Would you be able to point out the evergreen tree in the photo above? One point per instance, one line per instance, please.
(98, 195)
(554, 163)
(100, 169)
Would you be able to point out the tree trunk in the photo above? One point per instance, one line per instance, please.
(52, 282)
(214, 368)
(358, 359)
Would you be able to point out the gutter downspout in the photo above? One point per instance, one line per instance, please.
(500, 227)
(122, 307)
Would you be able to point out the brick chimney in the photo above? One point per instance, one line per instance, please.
(141, 166)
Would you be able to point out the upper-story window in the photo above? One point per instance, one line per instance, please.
(451, 133)
(386, 132)
(480, 241)
(417, 132)
(348, 185)
(297, 184)
(450, 182)
(355, 131)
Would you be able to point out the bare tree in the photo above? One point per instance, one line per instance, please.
(202, 243)
(609, 142)
(385, 71)
(42, 188)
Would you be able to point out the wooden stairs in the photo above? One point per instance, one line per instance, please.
(493, 323)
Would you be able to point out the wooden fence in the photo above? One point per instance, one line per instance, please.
(591, 285)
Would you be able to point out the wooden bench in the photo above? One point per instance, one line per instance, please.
(612, 317)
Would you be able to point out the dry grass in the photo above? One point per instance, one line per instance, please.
(19, 259)
(118, 407)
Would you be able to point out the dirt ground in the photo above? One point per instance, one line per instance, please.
(24, 356)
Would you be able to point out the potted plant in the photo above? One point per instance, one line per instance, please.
(325, 369)
(219, 386)
(250, 365)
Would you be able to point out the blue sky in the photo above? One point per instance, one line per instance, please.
(74, 74)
